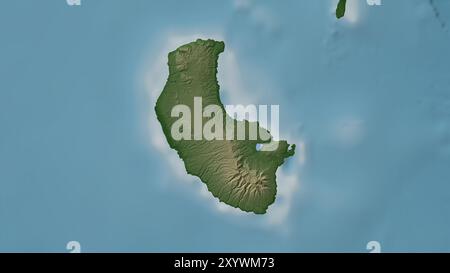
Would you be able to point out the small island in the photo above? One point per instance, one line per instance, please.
(340, 9)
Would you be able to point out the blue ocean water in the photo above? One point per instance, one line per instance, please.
(368, 95)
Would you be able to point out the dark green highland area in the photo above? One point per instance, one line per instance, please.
(340, 9)
(233, 170)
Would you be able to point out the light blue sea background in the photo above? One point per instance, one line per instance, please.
(368, 97)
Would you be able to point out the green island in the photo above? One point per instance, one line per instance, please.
(234, 171)
(340, 9)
